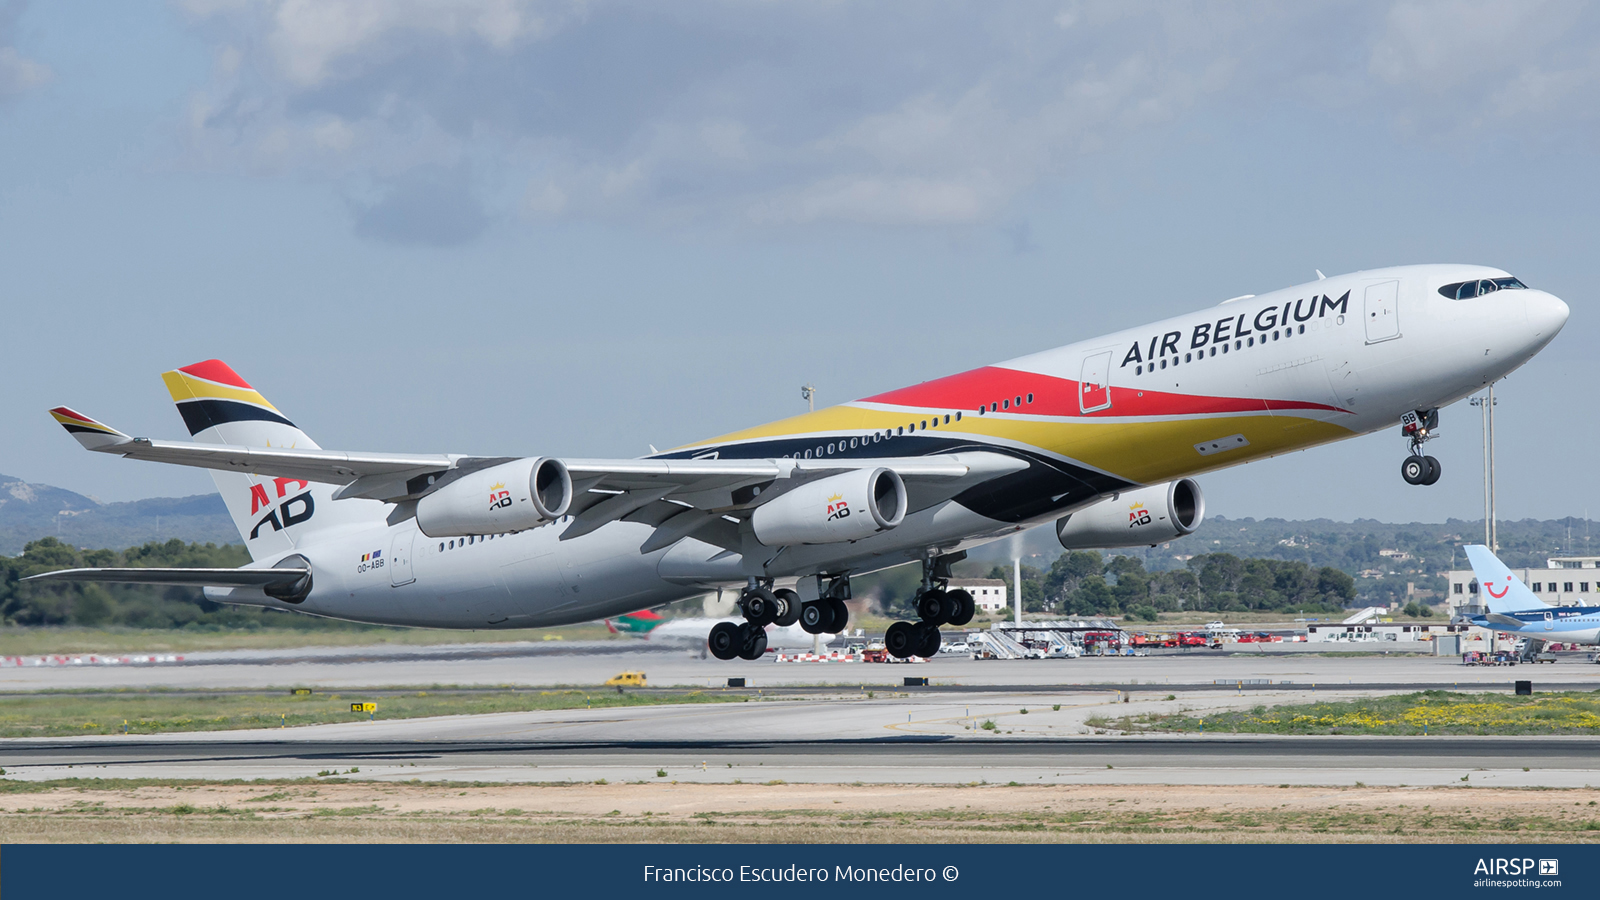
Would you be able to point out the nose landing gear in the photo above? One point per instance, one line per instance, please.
(1419, 427)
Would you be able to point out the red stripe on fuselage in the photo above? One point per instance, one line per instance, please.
(1059, 397)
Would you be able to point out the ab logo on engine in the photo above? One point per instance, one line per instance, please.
(837, 508)
(499, 497)
(1138, 515)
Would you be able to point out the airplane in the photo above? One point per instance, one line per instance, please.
(1101, 437)
(1515, 609)
(697, 630)
(638, 622)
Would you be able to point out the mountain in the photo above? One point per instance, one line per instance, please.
(31, 511)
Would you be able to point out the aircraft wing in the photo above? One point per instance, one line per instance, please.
(325, 466)
(679, 497)
(184, 577)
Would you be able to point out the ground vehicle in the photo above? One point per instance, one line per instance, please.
(955, 647)
(875, 652)
(626, 679)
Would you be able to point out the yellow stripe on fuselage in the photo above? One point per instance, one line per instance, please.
(183, 387)
(1141, 451)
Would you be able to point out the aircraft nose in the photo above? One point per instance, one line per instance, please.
(1546, 313)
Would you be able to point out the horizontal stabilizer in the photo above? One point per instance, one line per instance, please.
(91, 434)
(184, 577)
(1507, 621)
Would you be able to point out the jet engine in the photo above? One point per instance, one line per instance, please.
(1143, 517)
(844, 507)
(509, 497)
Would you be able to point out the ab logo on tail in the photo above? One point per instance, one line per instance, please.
(292, 511)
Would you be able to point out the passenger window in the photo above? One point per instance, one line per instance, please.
(1250, 342)
(1005, 404)
(1030, 398)
(1138, 370)
(958, 415)
(452, 545)
(441, 546)
(1163, 364)
(925, 423)
(947, 420)
(1017, 402)
(1188, 357)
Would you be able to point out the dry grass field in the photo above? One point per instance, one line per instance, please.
(336, 811)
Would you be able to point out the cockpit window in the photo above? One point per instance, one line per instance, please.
(1465, 290)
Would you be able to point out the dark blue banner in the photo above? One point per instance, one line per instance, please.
(246, 872)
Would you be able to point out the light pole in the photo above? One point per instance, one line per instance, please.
(1491, 534)
(809, 392)
(1016, 584)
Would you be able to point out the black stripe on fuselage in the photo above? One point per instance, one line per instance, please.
(198, 415)
(1045, 486)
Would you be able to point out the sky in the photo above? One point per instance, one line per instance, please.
(581, 227)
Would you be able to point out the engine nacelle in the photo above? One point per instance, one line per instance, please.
(844, 507)
(1137, 518)
(508, 497)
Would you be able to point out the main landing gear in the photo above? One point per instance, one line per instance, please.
(763, 606)
(1419, 427)
(935, 606)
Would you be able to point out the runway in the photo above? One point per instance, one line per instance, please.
(929, 738)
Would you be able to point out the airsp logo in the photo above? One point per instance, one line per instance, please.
(1524, 866)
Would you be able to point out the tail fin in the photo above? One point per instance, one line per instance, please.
(272, 514)
(1503, 592)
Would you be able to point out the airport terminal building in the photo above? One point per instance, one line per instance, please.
(1564, 581)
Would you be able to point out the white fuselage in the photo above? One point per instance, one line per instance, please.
(1299, 369)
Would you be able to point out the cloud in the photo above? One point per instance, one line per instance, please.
(794, 113)
(18, 74)
(429, 205)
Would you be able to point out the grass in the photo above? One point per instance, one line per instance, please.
(26, 641)
(150, 712)
(1433, 712)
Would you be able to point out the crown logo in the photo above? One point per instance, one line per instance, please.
(499, 486)
(835, 498)
(1139, 505)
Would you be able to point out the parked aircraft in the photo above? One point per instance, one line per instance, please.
(1515, 609)
(1100, 437)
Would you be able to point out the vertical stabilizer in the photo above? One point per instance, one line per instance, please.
(1502, 591)
(272, 514)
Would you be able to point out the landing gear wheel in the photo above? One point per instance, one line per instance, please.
(929, 646)
(841, 616)
(1434, 470)
(760, 606)
(966, 607)
(815, 617)
(931, 606)
(755, 643)
(789, 601)
(901, 640)
(725, 640)
(1415, 469)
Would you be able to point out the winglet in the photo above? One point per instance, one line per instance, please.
(91, 434)
(1501, 591)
